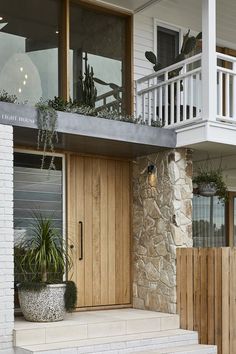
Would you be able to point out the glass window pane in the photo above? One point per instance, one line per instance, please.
(167, 45)
(29, 48)
(98, 38)
(35, 190)
(208, 222)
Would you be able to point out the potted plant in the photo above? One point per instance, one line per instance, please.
(189, 44)
(43, 259)
(210, 182)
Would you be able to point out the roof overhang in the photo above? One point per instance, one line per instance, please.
(132, 6)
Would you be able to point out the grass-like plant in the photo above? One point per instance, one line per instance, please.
(44, 250)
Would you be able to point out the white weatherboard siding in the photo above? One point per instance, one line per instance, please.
(6, 240)
(143, 41)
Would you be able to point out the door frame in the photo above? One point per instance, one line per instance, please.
(230, 219)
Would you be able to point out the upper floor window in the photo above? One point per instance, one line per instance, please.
(167, 45)
(98, 39)
(29, 31)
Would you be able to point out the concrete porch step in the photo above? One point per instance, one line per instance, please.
(91, 325)
(188, 349)
(117, 344)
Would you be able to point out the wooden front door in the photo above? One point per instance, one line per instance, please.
(99, 229)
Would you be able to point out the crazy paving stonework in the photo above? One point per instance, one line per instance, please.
(162, 221)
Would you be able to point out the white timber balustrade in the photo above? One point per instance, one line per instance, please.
(171, 96)
(226, 88)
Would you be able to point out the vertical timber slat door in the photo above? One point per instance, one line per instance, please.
(99, 197)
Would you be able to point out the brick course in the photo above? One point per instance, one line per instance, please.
(6, 240)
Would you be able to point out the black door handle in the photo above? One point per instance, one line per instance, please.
(81, 240)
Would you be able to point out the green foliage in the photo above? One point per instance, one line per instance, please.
(189, 44)
(153, 59)
(215, 177)
(60, 104)
(44, 249)
(75, 107)
(87, 86)
(5, 97)
(47, 130)
(70, 295)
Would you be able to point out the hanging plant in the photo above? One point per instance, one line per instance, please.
(210, 183)
(47, 131)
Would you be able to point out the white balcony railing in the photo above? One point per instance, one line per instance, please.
(226, 88)
(171, 96)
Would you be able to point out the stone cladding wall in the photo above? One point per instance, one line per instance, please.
(162, 221)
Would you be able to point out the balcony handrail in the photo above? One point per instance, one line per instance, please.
(226, 70)
(226, 57)
(169, 81)
(170, 68)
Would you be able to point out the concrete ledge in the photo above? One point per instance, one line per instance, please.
(72, 126)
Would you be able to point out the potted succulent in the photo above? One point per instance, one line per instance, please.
(210, 182)
(43, 259)
(190, 43)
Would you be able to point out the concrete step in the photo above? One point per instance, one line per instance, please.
(90, 325)
(130, 343)
(187, 349)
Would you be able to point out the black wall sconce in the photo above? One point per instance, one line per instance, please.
(151, 169)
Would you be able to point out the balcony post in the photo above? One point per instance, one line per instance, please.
(209, 61)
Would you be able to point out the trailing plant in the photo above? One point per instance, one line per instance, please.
(47, 131)
(213, 177)
(6, 97)
(47, 123)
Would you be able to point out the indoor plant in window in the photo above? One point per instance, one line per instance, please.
(44, 296)
(210, 182)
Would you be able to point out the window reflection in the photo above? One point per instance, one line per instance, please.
(100, 37)
(29, 48)
(208, 222)
(35, 191)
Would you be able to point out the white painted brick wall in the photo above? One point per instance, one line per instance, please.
(6, 240)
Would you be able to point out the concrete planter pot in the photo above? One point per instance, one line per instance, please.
(45, 305)
(207, 189)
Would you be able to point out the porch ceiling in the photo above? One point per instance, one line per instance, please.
(130, 5)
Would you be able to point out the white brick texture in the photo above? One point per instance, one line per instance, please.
(6, 240)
